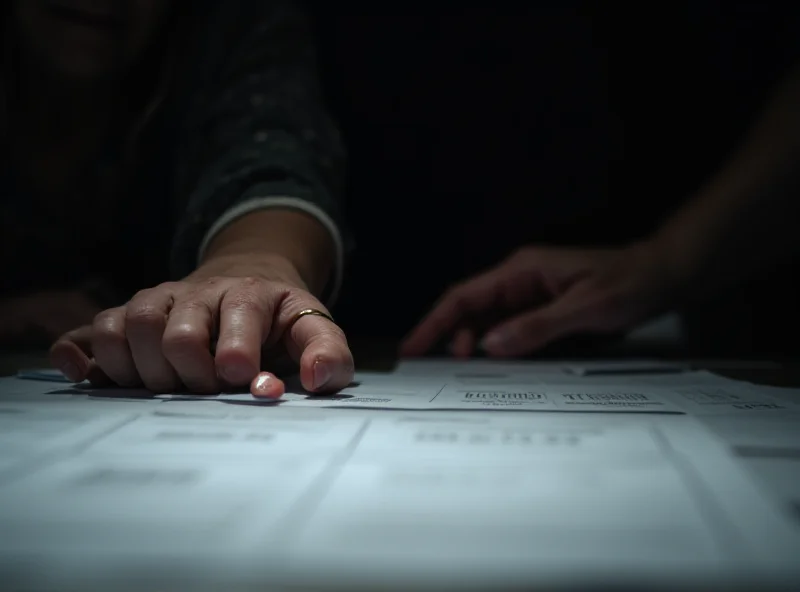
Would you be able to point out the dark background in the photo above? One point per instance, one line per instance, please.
(474, 128)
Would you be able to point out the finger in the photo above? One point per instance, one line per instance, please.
(187, 342)
(267, 386)
(463, 343)
(72, 355)
(245, 319)
(110, 348)
(476, 295)
(145, 321)
(317, 344)
(96, 377)
(579, 309)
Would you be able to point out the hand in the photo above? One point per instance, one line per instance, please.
(163, 337)
(39, 318)
(539, 295)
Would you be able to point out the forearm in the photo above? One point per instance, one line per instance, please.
(742, 219)
(276, 236)
(248, 170)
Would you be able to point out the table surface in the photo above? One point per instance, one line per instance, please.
(380, 355)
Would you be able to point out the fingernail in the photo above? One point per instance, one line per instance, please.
(322, 374)
(263, 386)
(71, 371)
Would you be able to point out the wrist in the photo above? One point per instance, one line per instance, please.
(286, 240)
(269, 266)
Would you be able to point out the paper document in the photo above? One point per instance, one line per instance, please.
(496, 368)
(694, 393)
(731, 400)
(404, 481)
(513, 500)
(43, 374)
(768, 446)
(29, 432)
(241, 496)
(691, 393)
(378, 392)
(627, 367)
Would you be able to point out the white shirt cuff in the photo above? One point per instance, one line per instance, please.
(292, 203)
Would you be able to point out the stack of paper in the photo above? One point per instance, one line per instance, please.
(439, 475)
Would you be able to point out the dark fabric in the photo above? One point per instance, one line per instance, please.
(231, 110)
(466, 116)
(253, 119)
(497, 126)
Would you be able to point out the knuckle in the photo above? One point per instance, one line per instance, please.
(191, 305)
(108, 322)
(144, 313)
(293, 301)
(212, 282)
(156, 293)
(244, 301)
(332, 333)
(145, 294)
(182, 340)
(163, 287)
(251, 284)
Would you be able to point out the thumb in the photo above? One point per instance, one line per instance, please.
(316, 343)
(576, 310)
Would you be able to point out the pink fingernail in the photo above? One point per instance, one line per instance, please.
(265, 385)
(262, 382)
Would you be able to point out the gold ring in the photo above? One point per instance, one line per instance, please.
(310, 311)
